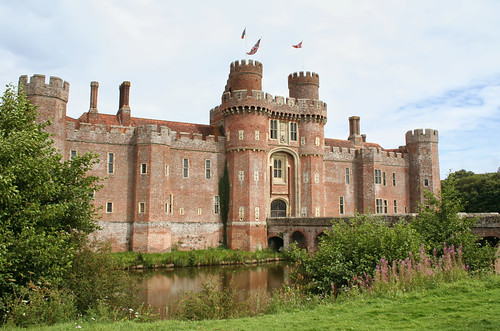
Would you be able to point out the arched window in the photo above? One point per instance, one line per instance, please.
(278, 208)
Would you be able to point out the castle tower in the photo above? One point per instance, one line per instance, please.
(52, 99)
(246, 127)
(245, 76)
(304, 87)
(423, 155)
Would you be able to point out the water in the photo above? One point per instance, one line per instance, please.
(161, 288)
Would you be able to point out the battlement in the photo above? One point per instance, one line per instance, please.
(303, 78)
(243, 66)
(265, 101)
(420, 135)
(56, 88)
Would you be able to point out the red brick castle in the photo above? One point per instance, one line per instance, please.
(161, 186)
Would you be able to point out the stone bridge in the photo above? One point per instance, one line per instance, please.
(282, 231)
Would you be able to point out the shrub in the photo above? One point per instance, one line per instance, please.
(354, 248)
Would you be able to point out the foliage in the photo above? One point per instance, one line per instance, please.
(224, 196)
(438, 223)
(45, 204)
(203, 257)
(480, 193)
(354, 248)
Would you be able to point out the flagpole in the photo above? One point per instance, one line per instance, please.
(246, 47)
(302, 50)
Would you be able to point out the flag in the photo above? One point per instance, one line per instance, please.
(254, 48)
(244, 33)
(299, 45)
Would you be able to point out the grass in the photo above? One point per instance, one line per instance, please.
(468, 304)
(214, 256)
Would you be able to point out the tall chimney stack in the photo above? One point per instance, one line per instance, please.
(124, 107)
(354, 131)
(94, 86)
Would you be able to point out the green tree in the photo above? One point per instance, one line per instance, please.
(224, 194)
(438, 222)
(46, 208)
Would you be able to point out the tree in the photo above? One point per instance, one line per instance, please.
(224, 194)
(46, 208)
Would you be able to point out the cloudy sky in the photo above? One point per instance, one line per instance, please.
(400, 65)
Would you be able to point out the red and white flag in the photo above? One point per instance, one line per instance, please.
(255, 48)
(299, 45)
(244, 33)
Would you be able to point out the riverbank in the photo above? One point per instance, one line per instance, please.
(468, 304)
(204, 257)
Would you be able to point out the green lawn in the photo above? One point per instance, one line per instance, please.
(464, 305)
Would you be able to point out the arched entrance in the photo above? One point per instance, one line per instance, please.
(299, 238)
(278, 208)
(275, 243)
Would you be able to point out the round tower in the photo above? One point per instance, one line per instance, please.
(304, 85)
(51, 100)
(245, 76)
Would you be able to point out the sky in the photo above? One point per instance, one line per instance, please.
(399, 65)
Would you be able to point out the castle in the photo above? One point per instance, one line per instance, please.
(161, 178)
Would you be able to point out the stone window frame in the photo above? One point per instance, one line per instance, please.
(167, 170)
(241, 213)
(279, 169)
(426, 182)
(257, 213)
(393, 179)
(342, 205)
(216, 205)
(379, 206)
(144, 168)
(378, 176)
(72, 154)
(273, 129)
(109, 207)
(110, 166)
(384, 179)
(185, 168)
(257, 135)
(142, 207)
(241, 134)
(208, 167)
(395, 206)
(199, 211)
(347, 175)
(386, 207)
(317, 141)
(294, 133)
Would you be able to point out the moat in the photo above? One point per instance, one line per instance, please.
(161, 288)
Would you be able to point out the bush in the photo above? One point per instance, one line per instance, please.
(351, 249)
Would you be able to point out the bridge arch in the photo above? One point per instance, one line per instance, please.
(299, 238)
(275, 243)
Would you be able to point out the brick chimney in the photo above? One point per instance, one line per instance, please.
(124, 107)
(354, 131)
(93, 113)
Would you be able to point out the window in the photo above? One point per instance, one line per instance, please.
(347, 176)
(166, 207)
(317, 141)
(383, 176)
(72, 154)
(293, 131)
(240, 134)
(379, 206)
(393, 179)
(185, 168)
(181, 211)
(406, 210)
(257, 135)
(426, 182)
(273, 129)
(207, 169)
(170, 204)
(167, 170)
(144, 168)
(142, 207)
(111, 163)
(109, 207)
(385, 207)
(303, 213)
(341, 205)
(241, 213)
(199, 211)
(395, 206)
(278, 168)
(216, 204)
(378, 176)
(257, 213)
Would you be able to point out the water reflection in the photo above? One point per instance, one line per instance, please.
(161, 288)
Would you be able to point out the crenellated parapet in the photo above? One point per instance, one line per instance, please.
(420, 135)
(304, 85)
(278, 106)
(36, 86)
(333, 153)
(99, 133)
